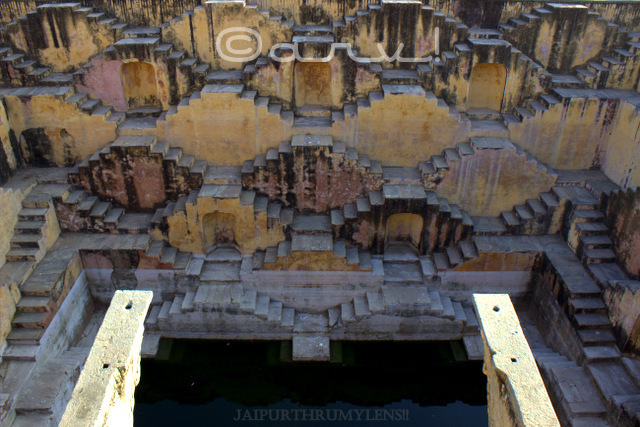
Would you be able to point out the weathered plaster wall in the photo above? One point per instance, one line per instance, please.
(224, 127)
(568, 135)
(9, 297)
(10, 158)
(492, 181)
(103, 81)
(623, 306)
(416, 122)
(623, 219)
(620, 160)
(136, 12)
(59, 37)
(198, 32)
(582, 132)
(55, 132)
(10, 205)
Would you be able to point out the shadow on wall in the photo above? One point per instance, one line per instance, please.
(40, 147)
(623, 219)
(139, 84)
(486, 86)
(218, 227)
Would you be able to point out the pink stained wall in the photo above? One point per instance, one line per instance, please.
(103, 81)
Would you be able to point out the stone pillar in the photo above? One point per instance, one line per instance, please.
(104, 392)
(516, 393)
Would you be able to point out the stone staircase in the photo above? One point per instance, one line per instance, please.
(46, 289)
(48, 389)
(599, 393)
(409, 300)
(617, 65)
(217, 288)
(37, 225)
(18, 69)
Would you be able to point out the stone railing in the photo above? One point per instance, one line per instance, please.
(516, 394)
(104, 392)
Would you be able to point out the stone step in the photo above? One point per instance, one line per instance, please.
(460, 315)
(262, 306)
(209, 297)
(36, 201)
(333, 315)
(592, 228)
(361, 307)
(24, 336)
(375, 302)
(23, 254)
(580, 197)
(587, 305)
(591, 321)
(596, 336)
(595, 241)
(347, 313)
(21, 353)
(471, 324)
(31, 214)
(176, 306)
(428, 267)
(164, 310)
(220, 271)
(86, 205)
(194, 267)
(601, 353)
(441, 261)
(586, 215)
(249, 300)
(29, 227)
(474, 347)
(575, 392)
(188, 301)
(468, 250)
(275, 312)
(436, 302)
(35, 319)
(455, 256)
(311, 223)
(597, 256)
(403, 272)
(35, 303)
(612, 379)
(49, 385)
(447, 308)
(288, 317)
(152, 317)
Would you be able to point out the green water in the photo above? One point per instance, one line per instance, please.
(242, 383)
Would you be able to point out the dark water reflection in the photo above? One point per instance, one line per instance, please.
(241, 383)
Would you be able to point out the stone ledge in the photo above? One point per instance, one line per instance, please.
(516, 393)
(104, 392)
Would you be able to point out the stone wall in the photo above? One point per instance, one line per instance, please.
(53, 131)
(582, 131)
(141, 13)
(62, 38)
(623, 219)
(516, 393)
(490, 14)
(10, 158)
(493, 180)
(623, 306)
